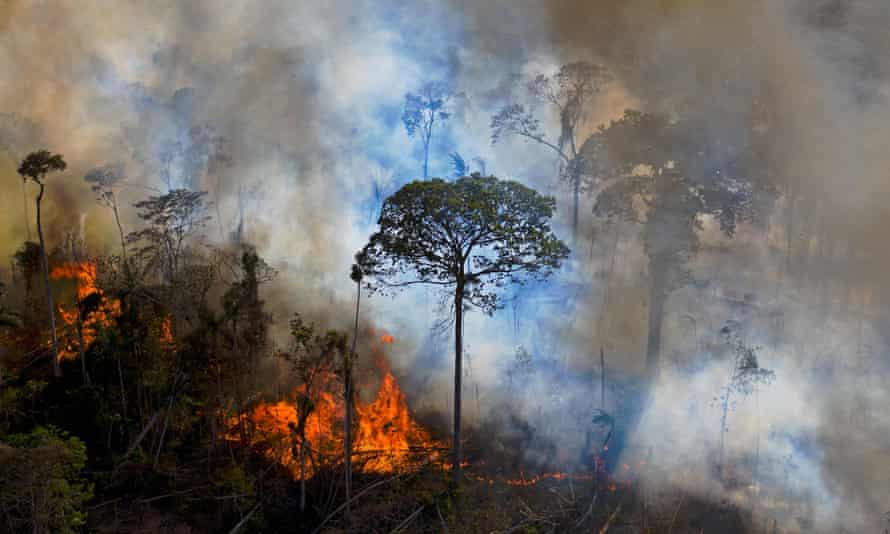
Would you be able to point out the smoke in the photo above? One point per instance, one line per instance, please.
(305, 100)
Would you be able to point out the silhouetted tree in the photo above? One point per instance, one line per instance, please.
(666, 175)
(172, 218)
(16, 133)
(569, 92)
(102, 181)
(474, 236)
(422, 110)
(744, 378)
(35, 167)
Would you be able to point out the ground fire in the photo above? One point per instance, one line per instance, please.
(386, 437)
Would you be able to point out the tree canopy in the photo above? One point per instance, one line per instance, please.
(480, 231)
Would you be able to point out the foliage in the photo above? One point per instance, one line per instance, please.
(481, 232)
(102, 182)
(41, 488)
(172, 218)
(37, 165)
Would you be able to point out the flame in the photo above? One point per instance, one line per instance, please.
(386, 438)
(387, 339)
(385, 427)
(84, 274)
(167, 334)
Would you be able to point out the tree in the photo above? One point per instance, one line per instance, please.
(172, 218)
(41, 488)
(356, 276)
(472, 236)
(744, 378)
(102, 181)
(35, 167)
(16, 133)
(422, 109)
(667, 175)
(313, 362)
(568, 92)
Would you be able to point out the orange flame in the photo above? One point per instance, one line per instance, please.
(386, 436)
(84, 274)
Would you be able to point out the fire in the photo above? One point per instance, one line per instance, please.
(386, 436)
(167, 334)
(387, 428)
(100, 315)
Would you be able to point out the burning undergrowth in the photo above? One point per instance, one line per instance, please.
(91, 311)
(386, 436)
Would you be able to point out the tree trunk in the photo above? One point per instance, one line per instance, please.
(458, 373)
(576, 196)
(120, 229)
(303, 473)
(657, 298)
(347, 453)
(25, 205)
(82, 350)
(57, 369)
(426, 156)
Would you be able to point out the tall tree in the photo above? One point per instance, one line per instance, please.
(172, 218)
(422, 110)
(103, 181)
(472, 237)
(356, 276)
(668, 175)
(569, 93)
(35, 167)
(17, 133)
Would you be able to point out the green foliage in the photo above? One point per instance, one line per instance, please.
(41, 488)
(479, 232)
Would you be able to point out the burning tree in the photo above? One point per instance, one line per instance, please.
(472, 236)
(313, 360)
(35, 167)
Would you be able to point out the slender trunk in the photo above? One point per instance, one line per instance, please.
(120, 377)
(602, 378)
(120, 229)
(303, 472)
(458, 372)
(725, 408)
(347, 453)
(576, 196)
(426, 157)
(25, 205)
(82, 351)
(657, 297)
(57, 369)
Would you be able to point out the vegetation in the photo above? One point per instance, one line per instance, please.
(472, 236)
(178, 400)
